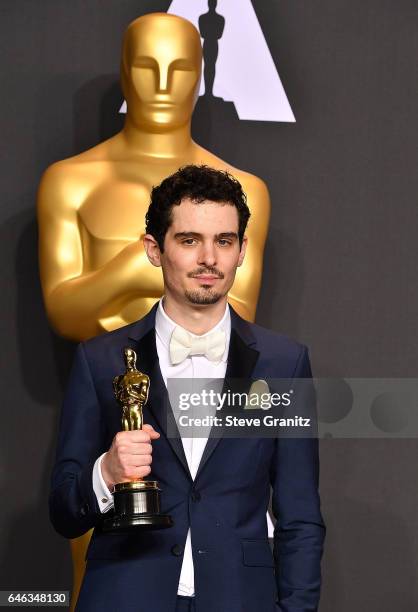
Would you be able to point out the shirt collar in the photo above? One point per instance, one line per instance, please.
(164, 327)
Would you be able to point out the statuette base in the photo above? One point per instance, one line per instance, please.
(137, 506)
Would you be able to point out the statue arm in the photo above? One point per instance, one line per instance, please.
(146, 385)
(222, 27)
(75, 297)
(244, 293)
(115, 384)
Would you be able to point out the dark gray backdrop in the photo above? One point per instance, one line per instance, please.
(339, 268)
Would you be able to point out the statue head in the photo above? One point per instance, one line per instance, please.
(160, 71)
(130, 358)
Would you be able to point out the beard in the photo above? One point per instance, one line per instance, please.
(205, 295)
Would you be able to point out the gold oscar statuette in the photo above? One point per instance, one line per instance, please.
(137, 503)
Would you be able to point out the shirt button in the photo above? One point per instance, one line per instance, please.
(104, 500)
(196, 496)
(177, 550)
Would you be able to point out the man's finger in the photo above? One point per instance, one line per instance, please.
(140, 449)
(149, 428)
(136, 435)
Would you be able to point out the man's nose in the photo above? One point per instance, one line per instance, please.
(207, 254)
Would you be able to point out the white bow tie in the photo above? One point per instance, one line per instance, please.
(183, 344)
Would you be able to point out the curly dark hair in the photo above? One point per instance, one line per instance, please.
(198, 183)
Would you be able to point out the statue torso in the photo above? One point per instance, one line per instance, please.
(110, 191)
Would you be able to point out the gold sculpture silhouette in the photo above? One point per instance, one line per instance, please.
(137, 503)
(95, 274)
(91, 207)
(211, 28)
(131, 390)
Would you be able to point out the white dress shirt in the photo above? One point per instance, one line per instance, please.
(194, 366)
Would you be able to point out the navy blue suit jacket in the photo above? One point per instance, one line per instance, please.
(225, 506)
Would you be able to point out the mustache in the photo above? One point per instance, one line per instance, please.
(212, 271)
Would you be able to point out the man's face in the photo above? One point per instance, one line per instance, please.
(201, 252)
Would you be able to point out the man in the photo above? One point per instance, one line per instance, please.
(216, 557)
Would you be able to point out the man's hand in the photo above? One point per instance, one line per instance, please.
(129, 457)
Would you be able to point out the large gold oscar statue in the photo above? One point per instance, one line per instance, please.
(91, 207)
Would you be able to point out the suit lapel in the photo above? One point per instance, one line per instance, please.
(242, 358)
(158, 402)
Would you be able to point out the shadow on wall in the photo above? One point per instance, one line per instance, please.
(212, 115)
(211, 28)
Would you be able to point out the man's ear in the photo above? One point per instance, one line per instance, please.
(243, 249)
(152, 250)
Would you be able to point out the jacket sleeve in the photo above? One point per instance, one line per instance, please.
(299, 532)
(73, 504)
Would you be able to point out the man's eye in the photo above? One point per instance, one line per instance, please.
(189, 241)
(224, 242)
